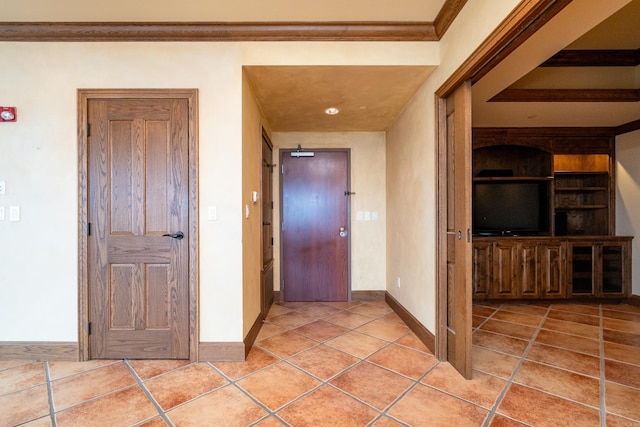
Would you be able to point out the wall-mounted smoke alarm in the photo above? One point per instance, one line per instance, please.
(8, 114)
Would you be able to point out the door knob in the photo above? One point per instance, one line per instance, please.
(343, 232)
(179, 235)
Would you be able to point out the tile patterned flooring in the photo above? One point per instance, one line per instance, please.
(357, 364)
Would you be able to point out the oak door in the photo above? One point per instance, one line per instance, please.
(138, 215)
(267, 226)
(315, 221)
(458, 229)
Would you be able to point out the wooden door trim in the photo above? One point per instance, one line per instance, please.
(84, 95)
(281, 152)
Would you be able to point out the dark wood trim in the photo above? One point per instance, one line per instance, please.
(594, 58)
(542, 132)
(221, 352)
(515, 29)
(365, 296)
(628, 127)
(217, 31)
(253, 333)
(448, 13)
(191, 95)
(276, 296)
(37, 350)
(414, 324)
(634, 300)
(442, 296)
(567, 95)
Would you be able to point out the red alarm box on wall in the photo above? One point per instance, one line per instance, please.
(8, 114)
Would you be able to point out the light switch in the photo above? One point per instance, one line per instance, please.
(374, 216)
(3, 187)
(1, 213)
(359, 216)
(367, 216)
(14, 213)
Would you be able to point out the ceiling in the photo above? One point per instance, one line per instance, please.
(294, 98)
(368, 98)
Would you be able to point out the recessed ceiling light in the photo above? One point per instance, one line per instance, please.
(332, 111)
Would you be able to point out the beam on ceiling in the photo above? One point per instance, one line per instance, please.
(594, 58)
(567, 95)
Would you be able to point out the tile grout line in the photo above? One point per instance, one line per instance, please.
(235, 384)
(52, 411)
(603, 408)
(161, 412)
(494, 409)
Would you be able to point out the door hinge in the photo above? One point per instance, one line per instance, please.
(272, 241)
(282, 169)
(271, 205)
(88, 129)
(88, 229)
(88, 328)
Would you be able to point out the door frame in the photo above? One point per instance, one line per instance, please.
(84, 95)
(281, 153)
(527, 17)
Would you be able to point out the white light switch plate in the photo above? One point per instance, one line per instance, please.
(3, 187)
(1, 213)
(14, 213)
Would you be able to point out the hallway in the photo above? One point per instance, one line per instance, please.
(357, 364)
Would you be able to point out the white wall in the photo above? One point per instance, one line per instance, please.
(628, 196)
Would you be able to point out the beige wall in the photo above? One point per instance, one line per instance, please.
(252, 123)
(368, 238)
(411, 168)
(38, 254)
(38, 162)
(628, 196)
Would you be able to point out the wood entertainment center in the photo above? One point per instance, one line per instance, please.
(556, 188)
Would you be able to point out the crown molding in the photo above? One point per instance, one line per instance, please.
(216, 31)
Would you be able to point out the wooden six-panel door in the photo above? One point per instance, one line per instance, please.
(138, 247)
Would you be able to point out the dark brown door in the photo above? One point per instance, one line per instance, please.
(315, 220)
(138, 211)
(267, 225)
(458, 228)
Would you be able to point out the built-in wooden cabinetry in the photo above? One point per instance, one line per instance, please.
(577, 256)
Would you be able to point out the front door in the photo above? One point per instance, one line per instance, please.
(315, 221)
(138, 246)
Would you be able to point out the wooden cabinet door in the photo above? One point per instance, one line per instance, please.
(527, 278)
(581, 269)
(553, 275)
(505, 270)
(482, 269)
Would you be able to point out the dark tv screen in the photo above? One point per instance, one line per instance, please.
(511, 207)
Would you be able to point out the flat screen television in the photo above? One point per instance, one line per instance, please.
(506, 207)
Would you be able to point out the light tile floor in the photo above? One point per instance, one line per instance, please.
(357, 364)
